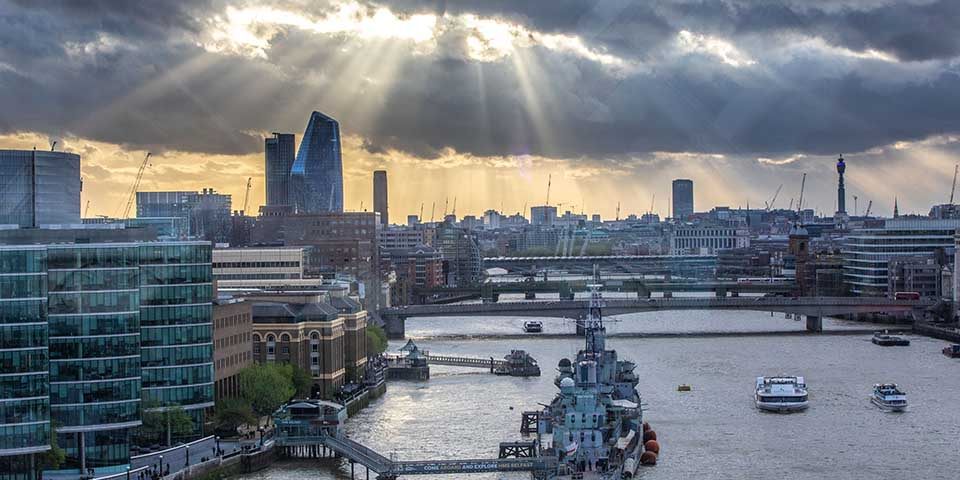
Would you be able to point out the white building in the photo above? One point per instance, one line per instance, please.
(706, 240)
(392, 238)
(867, 252)
(261, 268)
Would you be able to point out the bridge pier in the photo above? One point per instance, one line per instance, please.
(395, 326)
(814, 324)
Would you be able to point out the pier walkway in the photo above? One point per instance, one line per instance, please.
(390, 469)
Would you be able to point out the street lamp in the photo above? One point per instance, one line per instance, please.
(128, 472)
(217, 438)
(161, 465)
(187, 449)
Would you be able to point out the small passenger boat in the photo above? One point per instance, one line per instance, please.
(889, 397)
(952, 351)
(781, 394)
(533, 327)
(884, 339)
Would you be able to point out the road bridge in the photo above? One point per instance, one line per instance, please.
(814, 308)
(690, 266)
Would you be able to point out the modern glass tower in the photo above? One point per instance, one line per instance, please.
(279, 154)
(24, 391)
(682, 198)
(317, 172)
(39, 188)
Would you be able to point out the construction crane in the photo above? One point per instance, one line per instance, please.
(246, 196)
(86, 209)
(652, 200)
(953, 189)
(803, 183)
(53, 145)
(420, 217)
(855, 205)
(618, 211)
(433, 210)
(549, 182)
(446, 203)
(454, 211)
(869, 205)
(774, 199)
(136, 185)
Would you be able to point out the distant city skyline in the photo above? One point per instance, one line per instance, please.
(483, 101)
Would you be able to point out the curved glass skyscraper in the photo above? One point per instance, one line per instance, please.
(317, 172)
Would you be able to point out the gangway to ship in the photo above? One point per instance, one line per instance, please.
(390, 469)
(519, 363)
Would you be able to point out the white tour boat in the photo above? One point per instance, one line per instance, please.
(781, 394)
(889, 397)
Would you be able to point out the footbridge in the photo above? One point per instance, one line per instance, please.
(390, 469)
(691, 266)
(814, 308)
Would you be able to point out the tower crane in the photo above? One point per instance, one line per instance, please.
(549, 182)
(246, 196)
(652, 200)
(136, 185)
(774, 199)
(618, 211)
(454, 211)
(953, 189)
(869, 205)
(420, 217)
(86, 209)
(433, 210)
(803, 183)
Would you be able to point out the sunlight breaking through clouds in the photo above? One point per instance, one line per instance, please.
(727, 52)
(249, 31)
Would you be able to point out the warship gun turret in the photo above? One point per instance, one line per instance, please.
(594, 427)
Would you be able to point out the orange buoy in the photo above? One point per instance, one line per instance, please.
(652, 446)
(648, 458)
(649, 435)
(646, 427)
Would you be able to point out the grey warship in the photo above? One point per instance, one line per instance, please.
(594, 427)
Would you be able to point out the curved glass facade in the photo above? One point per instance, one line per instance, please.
(176, 293)
(89, 333)
(95, 378)
(24, 395)
(317, 173)
(39, 188)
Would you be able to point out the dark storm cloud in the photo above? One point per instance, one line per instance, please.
(155, 88)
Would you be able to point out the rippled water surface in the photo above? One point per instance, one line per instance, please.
(713, 431)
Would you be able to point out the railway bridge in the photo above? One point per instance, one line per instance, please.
(814, 308)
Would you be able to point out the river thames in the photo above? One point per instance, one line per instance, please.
(714, 431)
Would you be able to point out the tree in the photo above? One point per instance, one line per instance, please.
(376, 340)
(53, 458)
(302, 381)
(266, 387)
(163, 422)
(231, 413)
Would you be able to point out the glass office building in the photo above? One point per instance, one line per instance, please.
(176, 308)
(126, 326)
(94, 320)
(24, 383)
(867, 253)
(39, 188)
(279, 155)
(317, 172)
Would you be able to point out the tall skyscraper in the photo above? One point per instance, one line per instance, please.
(317, 173)
(39, 188)
(380, 196)
(279, 154)
(682, 198)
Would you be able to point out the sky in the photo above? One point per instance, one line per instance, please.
(478, 102)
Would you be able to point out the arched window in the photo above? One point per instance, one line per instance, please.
(256, 337)
(271, 346)
(284, 337)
